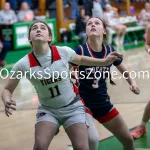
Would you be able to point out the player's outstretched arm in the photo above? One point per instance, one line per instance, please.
(133, 85)
(89, 61)
(7, 96)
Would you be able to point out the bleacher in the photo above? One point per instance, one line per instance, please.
(134, 33)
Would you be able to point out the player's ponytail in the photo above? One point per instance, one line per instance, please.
(108, 74)
(110, 79)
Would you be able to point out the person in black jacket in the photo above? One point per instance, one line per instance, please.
(80, 24)
(88, 6)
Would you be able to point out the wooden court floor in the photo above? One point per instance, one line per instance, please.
(17, 131)
(140, 144)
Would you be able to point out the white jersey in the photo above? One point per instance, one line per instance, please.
(52, 84)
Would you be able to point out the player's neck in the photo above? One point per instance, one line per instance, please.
(40, 49)
(95, 44)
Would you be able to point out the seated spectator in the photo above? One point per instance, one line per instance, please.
(104, 3)
(81, 24)
(4, 48)
(7, 16)
(88, 6)
(97, 10)
(30, 2)
(144, 16)
(25, 14)
(113, 22)
(74, 9)
(13, 4)
(51, 6)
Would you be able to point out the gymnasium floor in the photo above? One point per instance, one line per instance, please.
(17, 131)
(142, 143)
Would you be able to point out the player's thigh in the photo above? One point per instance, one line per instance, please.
(92, 133)
(78, 134)
(92, 130)
(76, 127)
(44, 133)
(46, 127)
(75, 124)
(118, 127)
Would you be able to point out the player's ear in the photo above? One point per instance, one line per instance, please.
(29, 39)
(104, 32)
(50, 38)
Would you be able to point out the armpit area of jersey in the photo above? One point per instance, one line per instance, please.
(73, 64)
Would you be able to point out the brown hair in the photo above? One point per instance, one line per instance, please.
(104, 24)
(49, 29)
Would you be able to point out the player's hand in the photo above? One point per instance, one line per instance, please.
(9, 105)
(113, 57)
(135, 89)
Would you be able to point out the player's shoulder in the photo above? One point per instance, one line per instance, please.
(23, 60)
(64, 50)
(84, 45)
(21, 64)
(109, 48)
(80, 49)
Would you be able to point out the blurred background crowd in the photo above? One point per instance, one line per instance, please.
(122, 27)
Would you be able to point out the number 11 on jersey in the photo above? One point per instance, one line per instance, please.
(54, 91)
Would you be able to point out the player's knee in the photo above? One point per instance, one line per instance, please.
(40, 146)
(129, 141)
(94, 141)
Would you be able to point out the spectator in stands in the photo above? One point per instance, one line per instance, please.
(66, 3)
(74, 9)
(104, 3)
(144, 16)
(25, 14)
(113, 22)
(88, 6)
(4, 48)
(13, 4)
(27, 1)
(97, 10)
(7, 16)
(81, 24)
(51, 6)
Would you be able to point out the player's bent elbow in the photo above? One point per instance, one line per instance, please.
(77, 60)
(11, 85)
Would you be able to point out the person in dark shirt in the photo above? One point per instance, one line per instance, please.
(93, 86)
(80, 25)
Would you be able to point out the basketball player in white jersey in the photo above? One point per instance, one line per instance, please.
(46, 67)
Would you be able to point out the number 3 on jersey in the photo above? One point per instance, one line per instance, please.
(95, 85)
(54, 91)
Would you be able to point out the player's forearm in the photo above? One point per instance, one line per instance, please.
(6, 95)
(87, 61)
(129, 79)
